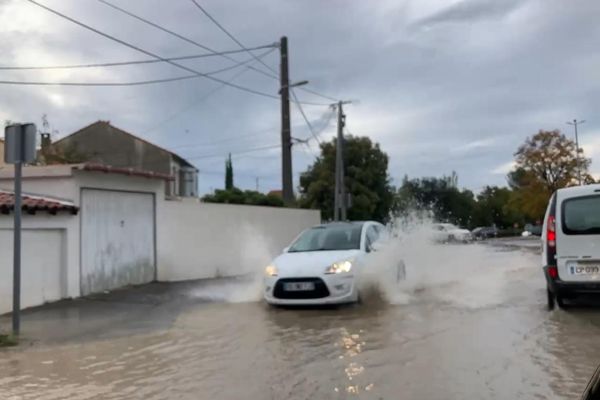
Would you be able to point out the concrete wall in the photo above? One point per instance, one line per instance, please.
(203, 240)
(50, 259)
(2, 152)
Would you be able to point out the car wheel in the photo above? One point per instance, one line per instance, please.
(551, 301)
(450, 238)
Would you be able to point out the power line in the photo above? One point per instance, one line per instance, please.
(173, 33)
(131, 46)
(123, 63)
(310, 128)
(134, 83)
(195, 43)
(319, 94)
(273, 146)
(201, 99)
(222, 28)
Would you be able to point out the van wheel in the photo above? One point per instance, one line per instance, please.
(551, 301)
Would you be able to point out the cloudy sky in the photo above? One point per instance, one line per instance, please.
(442, 85)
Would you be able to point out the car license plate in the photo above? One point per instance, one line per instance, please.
(298, 286)
(584, 269)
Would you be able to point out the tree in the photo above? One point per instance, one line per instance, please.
(547, 161)
(367, 180)
(439, 195)
(228, 174)
(494, 207)
(248, 197)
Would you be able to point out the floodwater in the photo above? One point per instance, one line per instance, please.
(471, 324)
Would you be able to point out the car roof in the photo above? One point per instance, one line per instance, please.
(343, 223)
(577, 191)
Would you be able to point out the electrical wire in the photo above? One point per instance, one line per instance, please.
(173, 33)
(201, 99)
(273, 146)
(118, 84)
(222, 28)
(148, 53)
(195, 43)
(310, 128)
(123, 63)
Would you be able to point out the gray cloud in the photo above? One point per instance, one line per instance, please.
(461, 96)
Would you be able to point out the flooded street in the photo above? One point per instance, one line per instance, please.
(478, 330)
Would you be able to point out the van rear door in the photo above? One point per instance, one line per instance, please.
(578, 234)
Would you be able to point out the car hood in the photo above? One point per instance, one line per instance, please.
(310, 263)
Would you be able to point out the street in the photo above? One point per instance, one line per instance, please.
(472, 323)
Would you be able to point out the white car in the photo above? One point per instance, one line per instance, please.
(571, 244)
(322, 265)
(450, 233)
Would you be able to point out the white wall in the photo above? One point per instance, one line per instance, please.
(203, 240)
(50, 259)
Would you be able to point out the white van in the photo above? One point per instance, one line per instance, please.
(571, 243)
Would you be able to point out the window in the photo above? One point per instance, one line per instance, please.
(581, 216)
(334, 237)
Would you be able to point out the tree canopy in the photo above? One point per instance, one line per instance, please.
(367, 180)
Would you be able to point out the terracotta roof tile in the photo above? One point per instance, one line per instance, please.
(31, 204)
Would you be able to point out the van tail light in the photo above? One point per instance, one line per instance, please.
(553, 272)
(551, 231)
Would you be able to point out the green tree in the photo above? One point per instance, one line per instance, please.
(248, 197)
(228, 173)
(440, 195)
(494, 207)
(367, 180)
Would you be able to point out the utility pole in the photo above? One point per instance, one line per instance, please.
(286, 139)
(340, 197)
(575, 123)
(287, 183)
(257, 183)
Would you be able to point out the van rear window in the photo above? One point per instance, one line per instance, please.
(581, 216)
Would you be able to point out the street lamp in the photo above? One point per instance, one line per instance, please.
(293, 85)
(575, 123)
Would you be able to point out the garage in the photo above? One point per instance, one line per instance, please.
(117, 239)
(43, 277)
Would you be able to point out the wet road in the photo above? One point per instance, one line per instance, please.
(480, 331)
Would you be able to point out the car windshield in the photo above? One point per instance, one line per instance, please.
(338, 237)
(582, 216)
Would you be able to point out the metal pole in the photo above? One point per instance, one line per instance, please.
(577, 149)
(16, 313)
(286, 140)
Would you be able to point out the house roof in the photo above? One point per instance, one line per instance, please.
(122, 171)
(107, 124)
(30, 204)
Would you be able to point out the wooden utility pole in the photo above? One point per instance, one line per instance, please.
(286, 139)
(340, 197)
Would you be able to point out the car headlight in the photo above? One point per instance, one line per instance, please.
(271, 270)
(339, 267)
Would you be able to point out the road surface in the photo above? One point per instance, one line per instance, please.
(471, 323)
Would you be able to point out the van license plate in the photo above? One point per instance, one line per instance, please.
(584, 269)
(298, 286)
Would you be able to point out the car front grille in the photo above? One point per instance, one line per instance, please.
(319, 292)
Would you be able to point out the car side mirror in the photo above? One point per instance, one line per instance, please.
(377, 246)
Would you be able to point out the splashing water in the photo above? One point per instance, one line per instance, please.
(465, 275)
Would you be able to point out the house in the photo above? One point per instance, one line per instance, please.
(103, 143)
(89, 228)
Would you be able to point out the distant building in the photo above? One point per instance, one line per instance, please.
(277, 193)
(105, 144)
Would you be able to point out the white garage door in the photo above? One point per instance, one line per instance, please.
(43, 276)
(117, 239)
